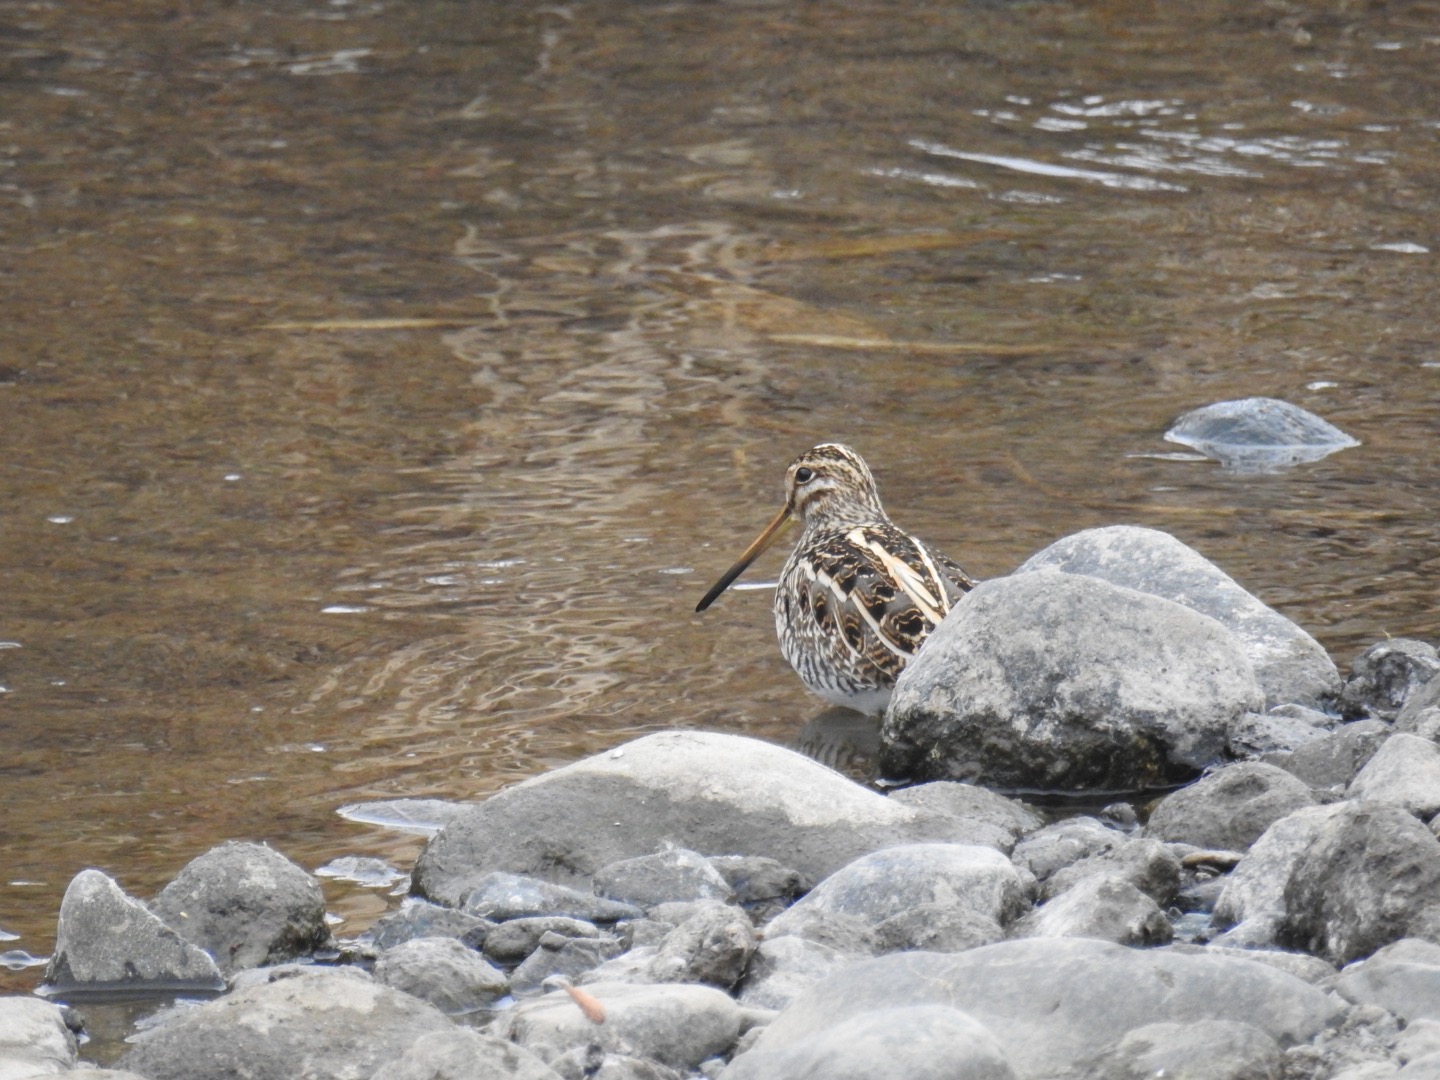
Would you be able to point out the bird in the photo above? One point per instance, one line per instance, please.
(858, 595)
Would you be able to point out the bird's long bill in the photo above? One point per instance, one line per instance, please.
(760, 543)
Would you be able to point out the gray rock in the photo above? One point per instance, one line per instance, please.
(1405, 771)
(1402, 978)
(502, 896)
(563, 956)
(937, 927)
(1385, 676)
(1310, 969)
(1100, 907)
(1257, 734)
(838, 930)
(512, 941)
(666, 876)
(462, 1054)
(712, 793)
(974, 804)
(677, 1024)
(1147, 864)
(1256, 887)
(890, 882)
(913, 1042)
(1371, 876)
(1290, 665)
(34, 1039)
(420, 918)
(319, 1023)
(763, 886)
(784, 966)
(1420, 1039)
(1206, 1050)
(440, 970)
(712, 946)
(594, 1063)
(1258, 434)
(1056, 846)
(1055, 681)
(246, 905)
(1255, 933)
(1421, 699)
(1332, 761)
(1049, 1002)
(1231, 807)
(106, 940)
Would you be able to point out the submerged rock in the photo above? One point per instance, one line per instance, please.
(246, 905)
(1056, 681)
(1292, 666)
(711, 793)
(1258, 434)
(107, 941)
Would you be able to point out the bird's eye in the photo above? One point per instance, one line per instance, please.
(804, 476)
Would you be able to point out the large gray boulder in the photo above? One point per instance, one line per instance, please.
(34, 1040)
(1403, 978)
(1208, 1050)
(107, 940)
(319, 1023)
(1290, 665)
(246, 905)
(712, 793)
(1255, 889)
(1370, 876)
(1405, 772)
(1057, 681)
(1231, 807)
(1047, 1002)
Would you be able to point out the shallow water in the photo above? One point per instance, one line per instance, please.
(383, 383)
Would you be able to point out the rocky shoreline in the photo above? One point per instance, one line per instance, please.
(696, 904)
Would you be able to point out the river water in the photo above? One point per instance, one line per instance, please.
(383, 383)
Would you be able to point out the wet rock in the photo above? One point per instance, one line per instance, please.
(440, 970)
(1330, 762)
(1100, 907)
(974, 804)
(562, 956)
(512, 941)
(420, 918)
(1385, 676)
(712, 946)
(1048, 1002)
(246, 905)
(1371, 876)
(501, 896)
(1256, 887)
(890, 882)
(678, 1024)
(1056, 681)
(784, 966)
(1056, 846)
(34, 1039)
(1230, 807)
(937, 927)
(1207, 1050)
(910, 1042)
(462, 1054)
(1290, 665)
(109, 941)
(320, 1023)
(764, 887)
(648, 880)
(1402, 978)
(1258, 434)
(1147, 864)
(712, 793)
(1405, 771)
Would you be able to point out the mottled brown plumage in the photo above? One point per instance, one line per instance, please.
(858, 595)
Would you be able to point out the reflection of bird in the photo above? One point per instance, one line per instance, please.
(858, 595)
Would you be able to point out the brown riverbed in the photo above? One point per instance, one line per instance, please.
(383, 383)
